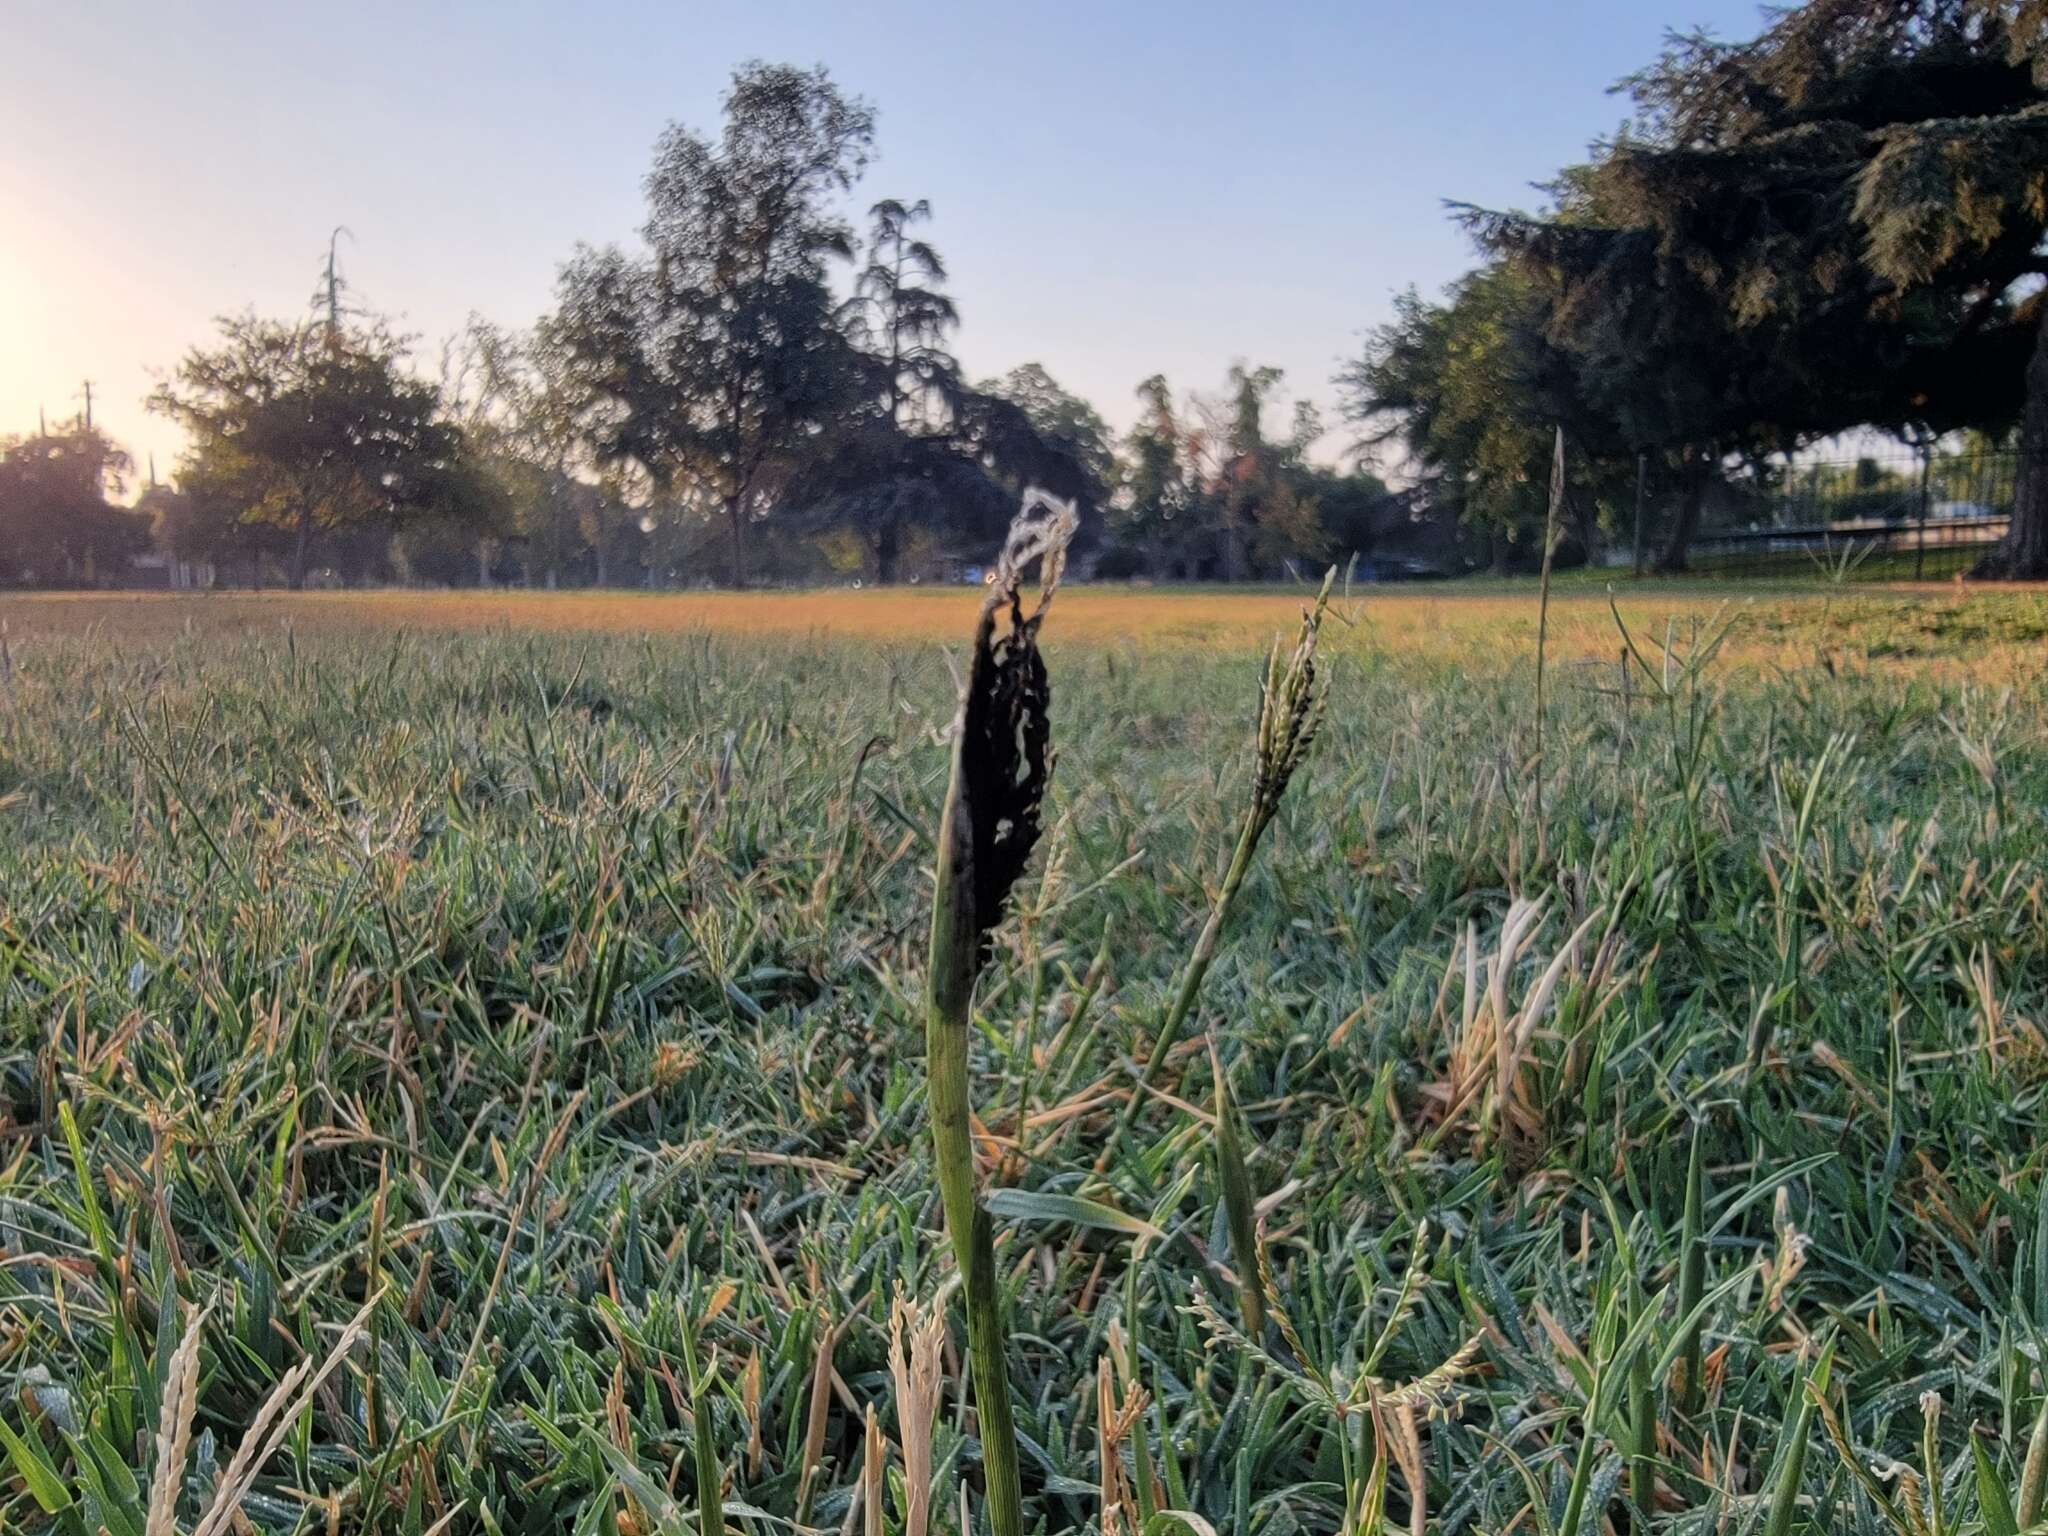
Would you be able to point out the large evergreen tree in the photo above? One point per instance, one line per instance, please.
(901, 317)
(888, 464)
(1837, 223)
(911, 451)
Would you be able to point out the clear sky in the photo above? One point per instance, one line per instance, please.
(1120, 187)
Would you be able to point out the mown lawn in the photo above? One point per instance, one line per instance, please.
(1786, 623)
(534, 982)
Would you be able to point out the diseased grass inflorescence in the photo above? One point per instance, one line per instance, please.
(1002, 759)
(1004, 751)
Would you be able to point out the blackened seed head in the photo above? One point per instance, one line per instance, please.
(1007, 760)
(1005, 734)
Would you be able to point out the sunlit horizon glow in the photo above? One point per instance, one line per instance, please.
(1165, 189)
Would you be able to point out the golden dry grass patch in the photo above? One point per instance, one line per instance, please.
(1977, 632)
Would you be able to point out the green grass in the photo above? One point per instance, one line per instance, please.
(560, 996)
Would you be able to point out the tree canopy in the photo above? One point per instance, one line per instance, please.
(710, 362)
(57, 522)
(1837, 223)
(315, 429)
(1472, 389)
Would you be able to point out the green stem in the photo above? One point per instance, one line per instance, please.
(1642, 1415)
(1785, 1497)
(1236, 1183)
(951, 972)
(1198, 962)
(1692, 1270)
(988, 1348)
(1141, 1443)
(1582, 1471)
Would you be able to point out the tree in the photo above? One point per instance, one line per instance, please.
(1157, 493)
(901, 317)
(1349, 506)
(1067, 425)
(1836, 223)
(889, 462)
(56, 520)
(1025, 431)
(1248, 500)
(203, 522)
(315, 430)
(511, 395)
(1472, 390)
(911, 451)
(713, 362)
(1263, 511)
(1204, 490)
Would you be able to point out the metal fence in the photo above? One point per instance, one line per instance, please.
(1919, 513)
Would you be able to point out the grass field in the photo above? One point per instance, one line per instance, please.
(1487, 624)
(498, 1020)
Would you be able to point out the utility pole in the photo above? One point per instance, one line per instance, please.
(88, 405)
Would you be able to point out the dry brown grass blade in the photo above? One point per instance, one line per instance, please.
(750, 1401)
(820, 1407)
(871, 1477)
(273, 1421)
(1404, 1441)
(917, 1343)
(174, 1431)
(1114, 1420)
(1489, 1047)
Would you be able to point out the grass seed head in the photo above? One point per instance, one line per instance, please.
(1291, 707)
(1005, 748)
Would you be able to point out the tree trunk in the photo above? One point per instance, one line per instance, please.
(483, 563)
(888, 541)
(735, 516)
(297, 576)
(1233, 551)
(1588, 519)
(1691, 500)
(603, 565)
(2022, 555)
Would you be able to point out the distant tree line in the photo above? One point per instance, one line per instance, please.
(757, 393)
(1837, 224)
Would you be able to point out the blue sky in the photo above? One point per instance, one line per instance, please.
(1120, 189)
